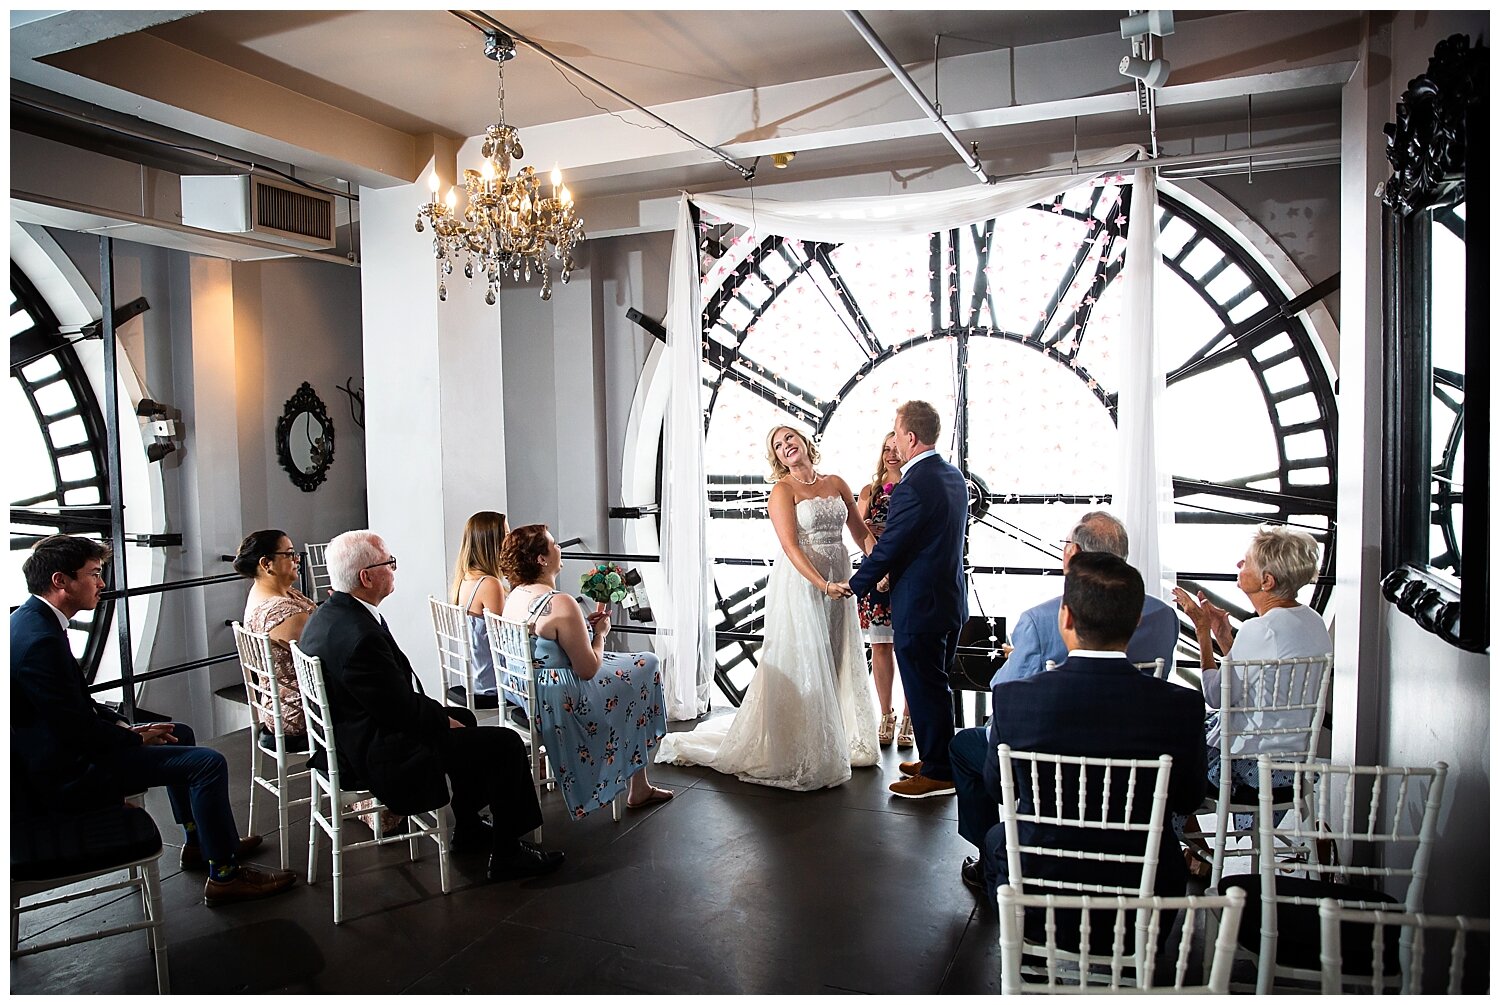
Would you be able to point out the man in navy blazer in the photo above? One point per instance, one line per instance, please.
(1035, 639)
(69, 754)
(404, 746)
(922, 551)
(1095, 704)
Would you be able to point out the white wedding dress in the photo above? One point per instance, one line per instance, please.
(809, 713)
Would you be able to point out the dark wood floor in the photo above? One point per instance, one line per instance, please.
(729, 888)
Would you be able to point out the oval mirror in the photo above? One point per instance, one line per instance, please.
(304, 439)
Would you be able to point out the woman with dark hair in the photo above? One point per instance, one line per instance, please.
(477, 588)
(600, 714)
(277, 608)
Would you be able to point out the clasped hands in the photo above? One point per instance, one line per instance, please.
(837, 591)
(153, 733)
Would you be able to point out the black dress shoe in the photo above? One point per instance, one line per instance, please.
(972, 874)
(524, 861)
(472, 837)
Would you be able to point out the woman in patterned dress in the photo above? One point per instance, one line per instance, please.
(875, 609)
(277, 608)
(601, 713)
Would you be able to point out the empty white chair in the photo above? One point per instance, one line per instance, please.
(1343, 818)
(1089, 796)
(1274, 707)
(65, 851)
(264, 696)
(455, 647)
(318, 580)
(1106, 974)
(1418, 934)
(435, 825)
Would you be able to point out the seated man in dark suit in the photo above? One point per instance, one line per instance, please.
(402, 745)
(75, 755)
(1096, 704)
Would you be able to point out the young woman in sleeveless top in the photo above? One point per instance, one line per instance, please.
(875, 609)
(477, 588)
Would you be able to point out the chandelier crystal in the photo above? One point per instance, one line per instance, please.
(508, 224)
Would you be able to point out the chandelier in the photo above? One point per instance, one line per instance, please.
(508, 225)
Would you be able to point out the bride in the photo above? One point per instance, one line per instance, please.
(809, 713)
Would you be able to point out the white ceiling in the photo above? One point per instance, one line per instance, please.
(424, 71)
(372, 96)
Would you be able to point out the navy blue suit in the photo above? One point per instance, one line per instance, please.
(922, 549)
(1087, 707)
(70, 754)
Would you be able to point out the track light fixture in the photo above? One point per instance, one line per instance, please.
(1148, 22)
(1152, 73)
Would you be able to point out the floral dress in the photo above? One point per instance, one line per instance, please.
(875, 607)
(598, 732)
(265, 618)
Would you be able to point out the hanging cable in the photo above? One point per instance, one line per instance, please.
(479, 19)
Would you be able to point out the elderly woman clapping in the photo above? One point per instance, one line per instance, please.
(1279, 562)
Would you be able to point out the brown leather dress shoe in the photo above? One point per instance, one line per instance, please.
(921, 787)
(192, 855)
(909, 768)
(248, 883)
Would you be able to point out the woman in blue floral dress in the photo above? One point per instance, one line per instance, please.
(600, 713)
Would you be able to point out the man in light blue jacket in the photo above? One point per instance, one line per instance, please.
(1035, 639)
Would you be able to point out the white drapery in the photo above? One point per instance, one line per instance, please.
(684, 502)
(1143, 496)
(688, 648)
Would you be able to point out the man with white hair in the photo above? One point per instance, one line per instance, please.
(1035, 640)
(400, 744)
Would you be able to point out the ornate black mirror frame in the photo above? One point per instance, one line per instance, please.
(305, 402)
(1439, 150)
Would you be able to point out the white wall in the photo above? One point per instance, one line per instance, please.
(226, 344)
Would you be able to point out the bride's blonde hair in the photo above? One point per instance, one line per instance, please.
(779, 470)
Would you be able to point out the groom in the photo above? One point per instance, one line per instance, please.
(922, 551)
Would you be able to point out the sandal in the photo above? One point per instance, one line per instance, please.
(656, 796)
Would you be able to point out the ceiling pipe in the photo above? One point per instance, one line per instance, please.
(198, 152)
(1267, 157)
(971, 161)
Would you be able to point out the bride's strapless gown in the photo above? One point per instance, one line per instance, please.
(809, 713)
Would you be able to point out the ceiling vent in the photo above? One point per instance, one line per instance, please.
(270, 210)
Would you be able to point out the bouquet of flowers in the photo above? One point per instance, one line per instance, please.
(605, 583)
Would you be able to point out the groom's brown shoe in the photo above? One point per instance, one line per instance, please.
(921, 787)
(909, 768)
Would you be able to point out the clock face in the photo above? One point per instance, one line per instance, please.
(1012, 330)
(56, 450)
